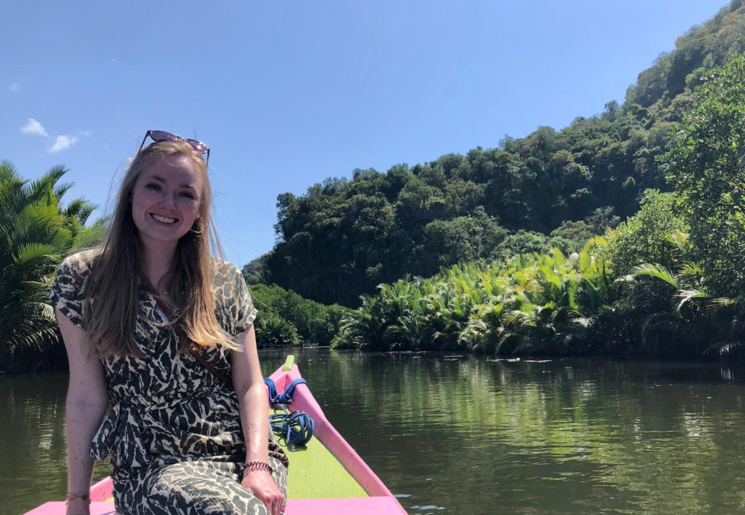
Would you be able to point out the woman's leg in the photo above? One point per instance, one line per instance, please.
(190, 488)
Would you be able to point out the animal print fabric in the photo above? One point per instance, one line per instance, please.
(173, 432)
(191, 487)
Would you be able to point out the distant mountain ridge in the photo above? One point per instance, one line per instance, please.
(344, 237)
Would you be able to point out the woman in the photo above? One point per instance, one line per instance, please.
(153, 324)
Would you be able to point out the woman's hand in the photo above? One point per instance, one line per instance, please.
(78, 507)
(265, 490)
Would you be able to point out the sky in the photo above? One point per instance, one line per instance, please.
(289, 93)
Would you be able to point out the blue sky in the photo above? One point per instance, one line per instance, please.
(289, 93)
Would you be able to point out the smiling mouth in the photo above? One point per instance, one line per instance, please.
(164, 219)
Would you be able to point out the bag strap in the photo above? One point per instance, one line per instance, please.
(192, 347)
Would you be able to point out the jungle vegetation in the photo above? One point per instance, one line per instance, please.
(552, 188)
(669, 281)
(286, 318)
(36, 231)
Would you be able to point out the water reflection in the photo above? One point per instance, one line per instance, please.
(32, 441)
(564, 436)
(471, 435)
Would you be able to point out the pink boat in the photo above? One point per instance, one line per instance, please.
(326, 477)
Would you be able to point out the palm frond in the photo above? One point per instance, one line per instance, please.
(658, 271)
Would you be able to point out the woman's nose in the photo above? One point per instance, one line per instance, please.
(168, 200)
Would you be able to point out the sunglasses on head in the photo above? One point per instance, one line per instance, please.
(158, 136)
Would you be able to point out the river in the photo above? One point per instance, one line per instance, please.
(472, 435)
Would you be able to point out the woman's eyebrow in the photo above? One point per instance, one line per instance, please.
(161, 179)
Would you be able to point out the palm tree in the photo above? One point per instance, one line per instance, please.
(694, 320)
(485, 330)
(363, 327)
(35, 233)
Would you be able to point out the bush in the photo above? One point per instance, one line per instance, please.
(310, 321)
(273, 331)
(645, 237)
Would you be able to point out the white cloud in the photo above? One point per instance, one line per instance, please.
(35, 128)
(62, 143)
(16, 86)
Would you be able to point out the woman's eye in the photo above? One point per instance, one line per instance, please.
(187, 195)
(153, 186)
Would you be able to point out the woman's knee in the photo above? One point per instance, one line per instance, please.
(195, 489)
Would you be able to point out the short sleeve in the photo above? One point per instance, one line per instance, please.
(67, 290)
(244, 312)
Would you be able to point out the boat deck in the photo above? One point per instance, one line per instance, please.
(316, 474)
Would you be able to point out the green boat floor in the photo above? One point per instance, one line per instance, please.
(315, 473)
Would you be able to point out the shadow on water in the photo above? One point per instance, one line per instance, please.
(471, 435)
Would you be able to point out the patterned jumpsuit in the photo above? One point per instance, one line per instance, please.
(173, 432)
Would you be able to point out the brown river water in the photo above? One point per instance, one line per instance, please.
(470, 435)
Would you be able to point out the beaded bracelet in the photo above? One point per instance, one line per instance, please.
(255, 466)
(71, 497)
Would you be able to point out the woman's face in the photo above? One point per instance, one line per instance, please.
(166, 199)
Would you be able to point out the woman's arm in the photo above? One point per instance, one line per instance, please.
(86, 405)
(254, 408)
(252, 400)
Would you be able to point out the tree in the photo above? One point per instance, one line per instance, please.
(462, 197)
(465, 238)
(522, 242)
(645, 237)
(255, 271)
(707, 167)
(35, 233)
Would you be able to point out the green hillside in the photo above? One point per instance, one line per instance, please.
(552, 188)
(669, 281)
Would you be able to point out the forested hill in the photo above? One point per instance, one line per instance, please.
(344, 237)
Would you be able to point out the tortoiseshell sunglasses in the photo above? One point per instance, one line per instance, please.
(158, 136)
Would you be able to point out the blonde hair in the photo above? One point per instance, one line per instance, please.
(111, 293)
